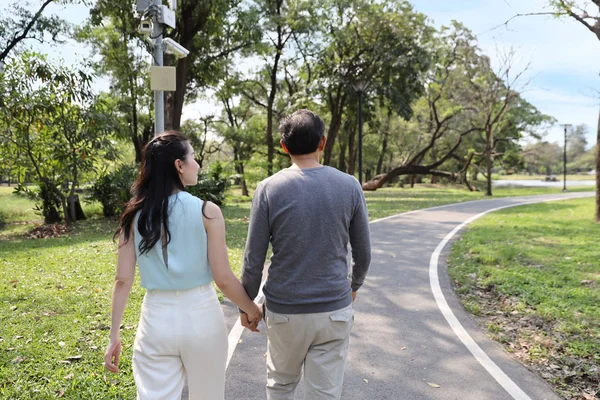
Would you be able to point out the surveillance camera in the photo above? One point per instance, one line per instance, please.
(146, 27)
(172, 47)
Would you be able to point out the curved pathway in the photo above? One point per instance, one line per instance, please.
(411, 339)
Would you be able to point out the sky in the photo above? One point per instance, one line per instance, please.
(563, 56)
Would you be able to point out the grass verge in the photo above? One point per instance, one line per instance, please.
(537, 289)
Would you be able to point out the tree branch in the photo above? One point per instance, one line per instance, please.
(23, 35)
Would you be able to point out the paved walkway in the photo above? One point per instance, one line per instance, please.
(411, 335)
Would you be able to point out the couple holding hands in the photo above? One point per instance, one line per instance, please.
(307, 212)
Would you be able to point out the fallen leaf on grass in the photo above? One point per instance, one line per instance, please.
(60, 393)
(433, 385)
(61, 344)
(18, 360)
(74, 358)
(70, 376)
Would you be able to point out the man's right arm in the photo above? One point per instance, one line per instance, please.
(257, 243)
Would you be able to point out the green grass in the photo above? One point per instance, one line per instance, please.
(541, 276)
(390, 201)
(55, 295)
(15, 209)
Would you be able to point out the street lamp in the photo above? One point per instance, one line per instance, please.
(360, 86)
(565, 159)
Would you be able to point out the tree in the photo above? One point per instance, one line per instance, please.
(49, 114)
(197, 133)
(381, 43)
(19, 24)
(542, 157)
(442, 116)
(212, 32)
(576, 142)
(463, 97)
(578, 11)
(281, 23)
(111, 31)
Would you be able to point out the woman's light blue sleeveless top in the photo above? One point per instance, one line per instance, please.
(187, 252)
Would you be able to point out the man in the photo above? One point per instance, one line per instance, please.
(308, 213)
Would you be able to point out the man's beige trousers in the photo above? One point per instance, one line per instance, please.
(317, 343)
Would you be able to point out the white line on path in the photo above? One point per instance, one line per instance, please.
(236, 332)
(511, 387)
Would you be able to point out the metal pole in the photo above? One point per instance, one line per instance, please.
(159, 98)
(360, 137)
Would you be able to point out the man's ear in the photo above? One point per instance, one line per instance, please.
(283, 146)
(322, 142)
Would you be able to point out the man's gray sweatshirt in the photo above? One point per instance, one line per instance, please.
(308, 215)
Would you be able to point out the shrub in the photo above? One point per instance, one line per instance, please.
(212, 184)
(113, 190)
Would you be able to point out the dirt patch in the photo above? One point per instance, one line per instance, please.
(48, 231)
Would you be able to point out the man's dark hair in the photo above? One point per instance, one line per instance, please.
(302, 131)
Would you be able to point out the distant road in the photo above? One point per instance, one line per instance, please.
(540, 183)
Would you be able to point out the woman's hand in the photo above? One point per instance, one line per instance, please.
(255, 314)
(112, 355)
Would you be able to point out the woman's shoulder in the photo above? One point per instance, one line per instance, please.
(211, 210)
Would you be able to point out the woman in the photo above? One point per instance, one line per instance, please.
(178, 242)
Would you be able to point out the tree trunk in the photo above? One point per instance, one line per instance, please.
(239, 169)
(334, 128)
(342, 158)
(75, 208)
(269, 138)
(351, 151)
(382, 154)
(598, 171)
(488, 152)
(174, 100)
(337, 110)
(379, 180)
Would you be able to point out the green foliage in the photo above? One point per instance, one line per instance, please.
(113, 189)
(50, 115)
(212, 184)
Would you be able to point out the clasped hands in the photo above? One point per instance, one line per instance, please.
(251, 319)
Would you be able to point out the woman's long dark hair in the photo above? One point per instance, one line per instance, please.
(157, 180)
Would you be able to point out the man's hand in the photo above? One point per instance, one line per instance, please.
(353, 296)
(251, 325)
